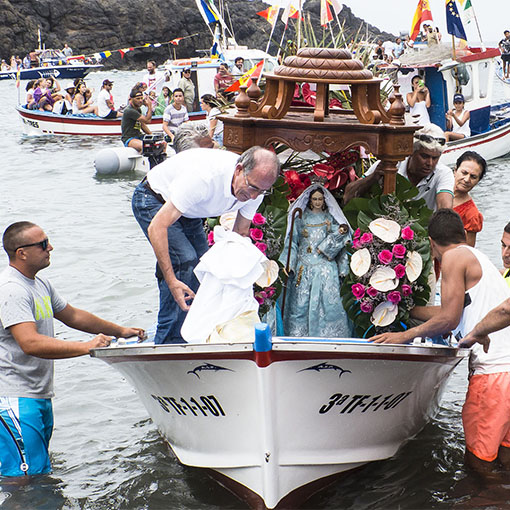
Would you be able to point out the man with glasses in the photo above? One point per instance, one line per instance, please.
(169, 205)
(188, 88)
(28, 304)
(434, 180)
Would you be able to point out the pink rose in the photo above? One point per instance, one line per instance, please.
(385, 256)
(356, 244)
(270, 291)
(394, 297)
(399, 250)
(260, 301)
(400, 270)
(258, 219)
(407, 233)
(372, 292)
(357, 233)
(366, 238)
(366, 306)
(210, 238)
(358, 290)
(256, 234)
(407, 290)
(262, 247)
(263, 295)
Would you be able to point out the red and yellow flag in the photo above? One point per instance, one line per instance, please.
(422, 14)
(245, 79)
(326, 16)
(270, 14)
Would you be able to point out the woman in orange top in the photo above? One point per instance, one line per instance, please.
(469, 170)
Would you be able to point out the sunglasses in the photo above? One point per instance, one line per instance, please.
(43, 244)
(430, 139)
(263, 192)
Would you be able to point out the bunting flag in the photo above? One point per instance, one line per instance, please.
(270, 14)
(337, 6)
(453, 22)
(175, 42)
(467, 11)
(216, 51)
(326, 16)
(247, 77)
(423, 13)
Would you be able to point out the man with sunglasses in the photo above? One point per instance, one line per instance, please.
(28, 304)
(434, 180)
(169, 205)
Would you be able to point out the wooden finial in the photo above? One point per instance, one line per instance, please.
(397, 109)
(242, 102)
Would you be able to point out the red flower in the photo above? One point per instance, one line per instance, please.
(366, 306)
(210, 238)
(385, 256)
(399, 250)
(358, 290)
(336, 176)
(407, 290)
(258, 219)
(366, 238)
(297, 183)
(262, 247)
(400, 270)
(407, 233)
(394, 297)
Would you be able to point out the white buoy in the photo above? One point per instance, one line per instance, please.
(117, 160)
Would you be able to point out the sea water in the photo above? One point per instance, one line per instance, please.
(105, 450)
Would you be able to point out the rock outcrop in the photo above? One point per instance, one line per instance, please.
(89, 26)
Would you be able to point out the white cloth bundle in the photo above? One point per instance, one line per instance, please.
(226, 274)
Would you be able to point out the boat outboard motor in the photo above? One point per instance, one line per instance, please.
(154, 148)
(119, 160)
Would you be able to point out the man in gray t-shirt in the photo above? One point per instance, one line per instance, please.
(28, 304)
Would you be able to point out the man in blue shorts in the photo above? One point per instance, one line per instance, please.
(134, 122)
(28, 347)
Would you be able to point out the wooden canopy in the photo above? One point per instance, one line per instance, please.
(271, 118)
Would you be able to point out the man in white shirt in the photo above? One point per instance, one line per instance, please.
(154, 79)
(175, 114)
(105, 106)
(434, 180)
(169, 205)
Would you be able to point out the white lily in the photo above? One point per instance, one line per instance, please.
(269, 275)
(384, 279)
(384, 314)
(386, 230)
(414, 266)
(228, 219)
(360, 262)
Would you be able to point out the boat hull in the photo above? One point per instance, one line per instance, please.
(36, 122)
(275, 423)
(65, 72)
(490, 145)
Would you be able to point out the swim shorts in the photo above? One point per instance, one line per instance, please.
(26, 425)
(486, 414)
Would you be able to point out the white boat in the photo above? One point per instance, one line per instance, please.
(279, 419)
(37, 122)
(472, 74)
(54, 63)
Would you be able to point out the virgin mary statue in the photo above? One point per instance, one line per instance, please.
(318, 261)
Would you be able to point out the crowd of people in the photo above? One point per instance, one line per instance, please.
(30, 60)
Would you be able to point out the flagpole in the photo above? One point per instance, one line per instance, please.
(478, 28)
(272, 29)
(281, 40)
(299, 26)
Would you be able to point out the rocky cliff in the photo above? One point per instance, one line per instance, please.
(90, 26)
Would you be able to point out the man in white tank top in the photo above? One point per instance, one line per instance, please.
(471, 286)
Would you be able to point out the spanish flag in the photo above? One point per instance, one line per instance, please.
(252, 74)
(422, 14)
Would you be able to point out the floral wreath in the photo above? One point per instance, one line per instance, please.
(390, 261)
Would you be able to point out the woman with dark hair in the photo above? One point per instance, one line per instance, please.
(80, 103)
(419, 101)
(209, 104)
(469, 170)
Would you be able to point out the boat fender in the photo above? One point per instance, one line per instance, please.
(117, 160)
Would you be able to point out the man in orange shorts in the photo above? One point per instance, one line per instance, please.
(471, 286)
